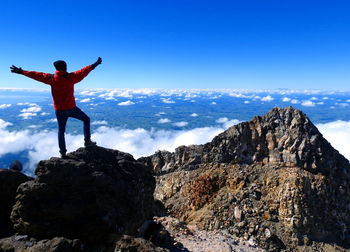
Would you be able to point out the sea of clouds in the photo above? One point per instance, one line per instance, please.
(139, 142)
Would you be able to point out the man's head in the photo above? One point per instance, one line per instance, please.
(16, 166)
(60, 65)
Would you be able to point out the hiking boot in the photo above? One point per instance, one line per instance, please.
(89, 143)
(64, 155)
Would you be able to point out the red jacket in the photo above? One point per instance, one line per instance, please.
(62, 85)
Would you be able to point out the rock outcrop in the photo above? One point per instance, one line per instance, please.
(9, 181)
(93, 193)
(274, 181)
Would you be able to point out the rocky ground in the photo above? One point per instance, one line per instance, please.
(193, 239)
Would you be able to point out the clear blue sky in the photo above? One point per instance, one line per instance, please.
(182, 43)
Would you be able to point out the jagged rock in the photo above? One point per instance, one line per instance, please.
(289, 184)
(96, 191)
(9, 181)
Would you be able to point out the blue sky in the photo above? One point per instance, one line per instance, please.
(181, 44)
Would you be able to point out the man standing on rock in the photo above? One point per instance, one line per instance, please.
(62, 90)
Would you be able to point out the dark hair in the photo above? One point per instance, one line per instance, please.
(16, 165)
(60, 65)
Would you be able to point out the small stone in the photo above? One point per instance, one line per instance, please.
(251, 242)
(238, 214)
(267, 233)
(29, 244)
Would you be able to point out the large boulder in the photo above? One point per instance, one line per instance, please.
(93, 193)
(9, 181)
(274, 181)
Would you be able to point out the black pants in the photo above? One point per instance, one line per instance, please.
(62, 117)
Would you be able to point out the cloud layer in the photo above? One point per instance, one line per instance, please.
(139, 142)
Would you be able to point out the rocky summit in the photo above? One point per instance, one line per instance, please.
(88, 196)
(275, 181)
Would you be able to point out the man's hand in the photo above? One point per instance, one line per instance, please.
(16, 70)
(98, 61)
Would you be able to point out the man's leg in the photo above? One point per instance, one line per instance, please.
(80, 115)
(62, 121)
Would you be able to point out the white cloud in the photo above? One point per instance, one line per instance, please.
(160, 113)
(27, 115)
(34, 126)
(246, 102)
(230, 123)
(167, 100)
(164, 120)
(85, 100)
(125, 94)
(267, 98)
(238, 95)
(32, 109)
(342, 104)
(180, 124)
(313, 98)
(2, 106)
(44, 113)
(286, 99)
(257, 97)
(99, 122)
(194, 114)
(138, 142)
(222, 120)
(338, 134)
(213, 103)
(226, 122)
(295, 101)
(126, 103)
(4, 124)
(90, 92)
(54, 120)
(308, 103)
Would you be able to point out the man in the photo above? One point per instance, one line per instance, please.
(62, 90)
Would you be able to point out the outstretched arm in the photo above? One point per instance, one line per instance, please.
(42, 77)
(82, 73)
